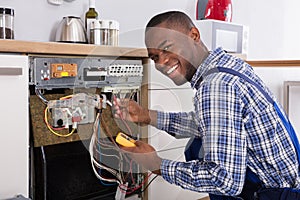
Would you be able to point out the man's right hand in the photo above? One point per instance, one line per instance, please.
(130, 110)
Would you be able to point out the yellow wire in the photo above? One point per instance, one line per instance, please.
(66, 97)
(52, 131)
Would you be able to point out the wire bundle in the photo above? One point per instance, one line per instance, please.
(128, 181)
(110, 164)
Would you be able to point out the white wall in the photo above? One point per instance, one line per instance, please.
(274, 27)
(36, 20)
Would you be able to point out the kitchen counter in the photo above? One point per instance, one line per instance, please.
(56, 48)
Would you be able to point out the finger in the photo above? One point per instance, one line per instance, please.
(128, 149)
(116, 111)
(116, 107)
(139, 143)
(123, 102)
(117, 102)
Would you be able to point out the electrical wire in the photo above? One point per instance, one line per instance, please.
(143, 190)
(121, 177)
(66, 97)
(99, 149)
(122, 118)
(97, 144)
(94, 162)
(149, 183)
(132, 190)
(41, 97)
(96, 128)
(130, 173)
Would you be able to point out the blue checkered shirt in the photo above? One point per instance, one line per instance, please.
(239, 128)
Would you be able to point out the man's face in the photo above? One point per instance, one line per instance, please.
(172, 52)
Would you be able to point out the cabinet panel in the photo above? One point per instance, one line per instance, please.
(14, 137)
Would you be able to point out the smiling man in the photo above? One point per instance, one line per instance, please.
(174, 45)
(241, 145)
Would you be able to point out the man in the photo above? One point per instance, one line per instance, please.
(246, 149)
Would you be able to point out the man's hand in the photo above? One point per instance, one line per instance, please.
(130, 110)
(145, 155)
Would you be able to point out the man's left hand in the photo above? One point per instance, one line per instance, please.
(145, 155)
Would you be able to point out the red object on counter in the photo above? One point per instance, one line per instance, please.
(214, 9)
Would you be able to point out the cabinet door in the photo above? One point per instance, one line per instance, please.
(14, 134)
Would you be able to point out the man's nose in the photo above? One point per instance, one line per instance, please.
(162, 60)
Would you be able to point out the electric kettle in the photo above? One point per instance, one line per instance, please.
(71, 29)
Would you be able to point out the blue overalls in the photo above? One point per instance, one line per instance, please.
(253, 188)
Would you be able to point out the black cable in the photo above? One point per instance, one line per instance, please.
(148, 184)
(141, 191)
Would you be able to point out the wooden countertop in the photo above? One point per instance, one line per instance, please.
(57, 48)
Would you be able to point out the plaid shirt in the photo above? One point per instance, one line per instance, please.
(239, 128)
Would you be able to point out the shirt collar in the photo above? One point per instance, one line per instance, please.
(207, 64)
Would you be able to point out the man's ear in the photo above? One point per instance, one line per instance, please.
(194, 34)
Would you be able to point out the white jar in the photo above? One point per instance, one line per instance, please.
(114, 32)
(104, 32)
(95, 32)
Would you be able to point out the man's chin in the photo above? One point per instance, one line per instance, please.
(179, 82)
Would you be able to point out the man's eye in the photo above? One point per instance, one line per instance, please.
(154, 58)
(166, 48)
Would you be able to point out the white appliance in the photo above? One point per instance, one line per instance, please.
(14, 130)
(232, 37)
(164, 95)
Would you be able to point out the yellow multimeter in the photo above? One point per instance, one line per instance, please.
(125, 140)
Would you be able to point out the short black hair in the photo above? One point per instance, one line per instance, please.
(173, 19)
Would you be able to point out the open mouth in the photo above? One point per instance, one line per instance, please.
(172, 69)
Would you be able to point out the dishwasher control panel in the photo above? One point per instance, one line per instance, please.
(88, 72)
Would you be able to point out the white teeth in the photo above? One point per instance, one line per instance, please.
(172, 69)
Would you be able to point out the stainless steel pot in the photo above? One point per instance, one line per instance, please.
(71, 29)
